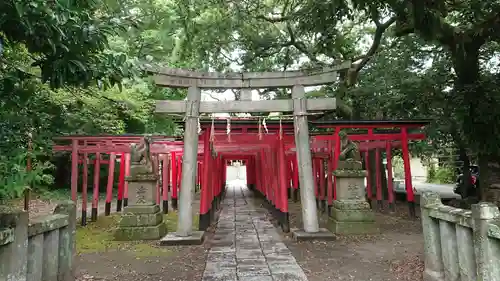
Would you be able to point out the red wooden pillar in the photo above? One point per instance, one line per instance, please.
(109, 187)
(214, 171)
(95, 192)
(224, 178)
(410, 197)
(74, 170)
(258, 174)
(173, 160)
(329, 175)
(156, 171)
(179, 172)
(165, 179)
(276, 179)
(283, 162)
(85, 178)
(262, 174)
(388, 152)
(121, 183)
(250, 173)
(336, 156)
(125, 184)
(275, 176)
(265, 176)
(368, 181)
(289, 180)
(322, 187)
(295, 179)
(204, 221)
(378, 177)
(220, 176)
(315, 167)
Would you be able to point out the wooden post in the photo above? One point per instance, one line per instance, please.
(407, 167)
(204, 222)
(109, 187)
(388, 152)
(165, 176)
(74, 170)
(85, 177)
(173, 168)
(309, 210)
(95, 192)
(190, 158)
(125, 185)
(378, 178)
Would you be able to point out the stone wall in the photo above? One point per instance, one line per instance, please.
(460, 244)
(41, 249)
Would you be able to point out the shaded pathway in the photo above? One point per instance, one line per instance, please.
(246, 246)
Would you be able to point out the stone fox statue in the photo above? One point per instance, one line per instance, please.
(141, 153)
(348, 149)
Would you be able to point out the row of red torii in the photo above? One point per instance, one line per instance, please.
(279, 161)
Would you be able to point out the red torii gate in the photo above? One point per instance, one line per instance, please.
(243, 143)
(113, 146)
(329, 150)
(377, 141)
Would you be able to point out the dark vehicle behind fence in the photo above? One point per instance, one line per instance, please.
(474, 172)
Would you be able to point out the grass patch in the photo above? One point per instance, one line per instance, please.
(98, 237)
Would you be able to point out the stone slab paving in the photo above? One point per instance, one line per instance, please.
(246, 246)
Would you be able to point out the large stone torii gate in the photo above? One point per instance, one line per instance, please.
(192, 107)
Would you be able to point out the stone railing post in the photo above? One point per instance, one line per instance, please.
(67, 242)
(14, 253)
(486, 255)
(432, 238)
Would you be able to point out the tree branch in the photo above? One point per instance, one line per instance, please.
(275, 19)
(488, 30)
(377, 39)
(212, 96)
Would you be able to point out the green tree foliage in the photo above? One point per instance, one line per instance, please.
(411, 59)
(73, 67)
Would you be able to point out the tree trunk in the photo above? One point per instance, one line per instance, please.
(466, 184)
(489, 179)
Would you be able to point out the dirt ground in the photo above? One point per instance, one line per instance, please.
(138, 261)
(394, 254)
(175, 264)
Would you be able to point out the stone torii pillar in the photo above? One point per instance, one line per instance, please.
(195, 81)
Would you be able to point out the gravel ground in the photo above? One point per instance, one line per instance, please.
(181, 263)
(394, 254)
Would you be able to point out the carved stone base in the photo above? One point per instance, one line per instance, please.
(172, 239)
(321, 235)
(352, 227)
(141, 222)
(141, 233)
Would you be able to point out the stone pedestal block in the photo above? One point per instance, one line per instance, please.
(142, 219)
(351, 214)
(142, 189)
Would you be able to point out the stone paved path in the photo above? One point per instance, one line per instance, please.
(246, 246)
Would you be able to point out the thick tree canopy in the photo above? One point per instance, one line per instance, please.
(74, 66)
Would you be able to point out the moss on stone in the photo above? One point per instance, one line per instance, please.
(98, 237)
(47, 223)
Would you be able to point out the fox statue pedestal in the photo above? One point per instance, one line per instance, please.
(142, 219)
(351, 214)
